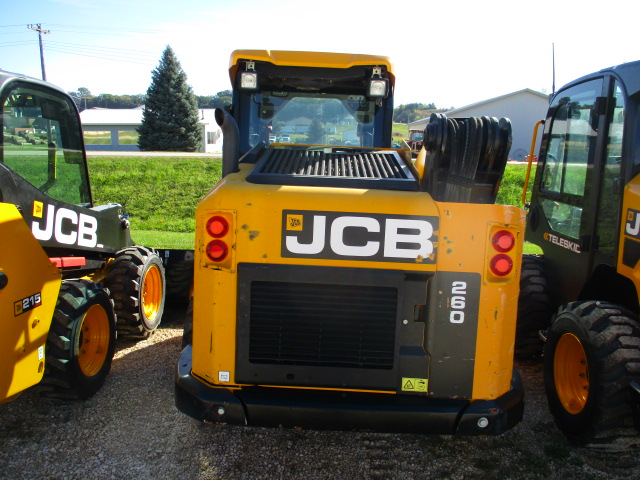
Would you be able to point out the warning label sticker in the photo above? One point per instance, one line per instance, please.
(415, 384)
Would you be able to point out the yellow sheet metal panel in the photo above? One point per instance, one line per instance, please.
(27, 302)
(308, 59)
(629, 248)
(466, 247)
(461, 241)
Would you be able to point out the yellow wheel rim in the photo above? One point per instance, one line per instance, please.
(571, 373)
(95, 335)
(152, 292)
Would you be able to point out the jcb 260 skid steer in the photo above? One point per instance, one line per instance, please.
(336, 284)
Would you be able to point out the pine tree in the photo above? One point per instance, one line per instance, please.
(315, 134)
(170, 121)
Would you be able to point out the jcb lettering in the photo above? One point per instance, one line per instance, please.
(632, 227)
(359, 237)
(67, 227)
(369, 249)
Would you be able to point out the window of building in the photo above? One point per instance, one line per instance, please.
(128, 137)
(96, 137)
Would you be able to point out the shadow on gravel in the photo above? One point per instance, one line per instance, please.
(131, 429)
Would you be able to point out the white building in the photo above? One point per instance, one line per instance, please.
(114, 129)
(524, 108)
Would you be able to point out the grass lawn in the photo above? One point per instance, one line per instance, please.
(161, 193)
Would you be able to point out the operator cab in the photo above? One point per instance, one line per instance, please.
(586, 159)
(320, 105)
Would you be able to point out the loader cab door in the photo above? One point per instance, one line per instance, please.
(42, 143)
(574, 215)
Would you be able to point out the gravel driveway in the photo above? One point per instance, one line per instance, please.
(131, 430)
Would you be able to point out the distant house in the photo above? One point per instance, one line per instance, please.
(524, 108)
(114, 129)
(297, 125)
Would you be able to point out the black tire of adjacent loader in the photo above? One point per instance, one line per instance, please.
(138, 287)
(187, 331)
(591, 356)
(81, 341)
(535, 308)
(179, 283)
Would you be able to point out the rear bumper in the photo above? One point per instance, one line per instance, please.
(338, 410)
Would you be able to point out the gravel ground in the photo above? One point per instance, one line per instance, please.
(131, 429)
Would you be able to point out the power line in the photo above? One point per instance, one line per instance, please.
(102, 57)
(93, 28)
(15, 44)
(103, 50)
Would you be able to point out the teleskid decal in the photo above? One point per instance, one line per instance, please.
(66, 226)
(562, 242)
(359, 236)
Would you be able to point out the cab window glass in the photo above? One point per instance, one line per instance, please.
(288, 117)
(571, 147)
(609, 202)
(41, 141)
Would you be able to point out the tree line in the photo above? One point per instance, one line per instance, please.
(84, 100)
(405, 113)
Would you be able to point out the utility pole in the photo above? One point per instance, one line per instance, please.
(38, 28)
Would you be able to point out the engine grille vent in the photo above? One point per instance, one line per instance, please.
(356, 168)
(322, 325)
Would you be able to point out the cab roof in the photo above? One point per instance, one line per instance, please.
(308, 59)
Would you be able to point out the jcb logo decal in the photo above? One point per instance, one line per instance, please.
(38, 209)
(66, 226)
(358, 236)
(632, 227)
(294, 222)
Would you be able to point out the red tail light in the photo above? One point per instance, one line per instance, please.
(217, 250)
(501, 265)
(503, 241)
(217, 226)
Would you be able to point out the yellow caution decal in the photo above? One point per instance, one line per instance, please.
(415, 384)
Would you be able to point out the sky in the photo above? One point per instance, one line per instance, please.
(451, 53)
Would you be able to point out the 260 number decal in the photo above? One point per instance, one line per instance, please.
(458, 302)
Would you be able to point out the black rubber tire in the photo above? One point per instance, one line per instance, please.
(126, 277)
(67, 374)
(179, 283)
(535, 307)
(187, 332)
(610, 339)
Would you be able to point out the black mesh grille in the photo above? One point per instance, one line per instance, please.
(322, 325)
(348, 168)
(340, 164)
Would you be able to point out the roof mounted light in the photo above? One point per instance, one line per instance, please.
(249, 78)
(378, 87)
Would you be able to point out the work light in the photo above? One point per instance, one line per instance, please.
(378, 87)
(249, 80)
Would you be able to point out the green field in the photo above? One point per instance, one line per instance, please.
(161, 193)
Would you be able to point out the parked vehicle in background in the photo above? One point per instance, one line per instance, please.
(70, 275)
(585, 215)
